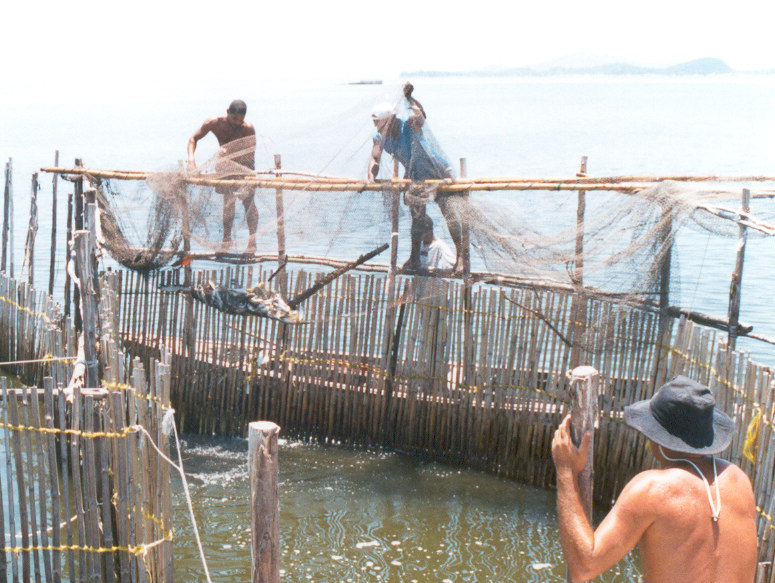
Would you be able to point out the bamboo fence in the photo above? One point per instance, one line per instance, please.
(472, 375)
(83, 495)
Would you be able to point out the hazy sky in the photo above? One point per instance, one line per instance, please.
(161, 44)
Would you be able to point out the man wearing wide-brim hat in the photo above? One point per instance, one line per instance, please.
(694, 518)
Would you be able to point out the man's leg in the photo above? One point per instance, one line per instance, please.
(450, 211)
(251, 216)
(229, 206)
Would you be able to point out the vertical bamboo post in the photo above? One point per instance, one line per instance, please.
(83, 270)
(6, 210)
(77, 226)
(735, 287)
(264, 502)
(584, 388)
(280, 210)
(465, 231)
(29, 250)
(664, 296)
(578, 310)
(54, 183)
(68, 257)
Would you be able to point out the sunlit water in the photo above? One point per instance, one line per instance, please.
(357, 516)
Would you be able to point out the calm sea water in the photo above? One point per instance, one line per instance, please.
(355, 516)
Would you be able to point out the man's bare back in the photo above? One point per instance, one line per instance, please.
(680, 541)
(691, 522)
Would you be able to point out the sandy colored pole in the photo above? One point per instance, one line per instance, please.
(584, 389)
(52, 263)
(578, 310)
(466, 230)
(6, 210)
(263, 472)
(735, 287)
(280, 211)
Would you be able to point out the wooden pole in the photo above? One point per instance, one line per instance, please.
(83, 270)
(578, 310)
(77, 226)
(280, 210)
(466, 230)
(29, 248)
(52, 263)
(68, 255)
(6, 210)
(735, 288)
(263, 472)
(584, 388)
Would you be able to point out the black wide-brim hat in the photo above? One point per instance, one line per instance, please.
(682, 416)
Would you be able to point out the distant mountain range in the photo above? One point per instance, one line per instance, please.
(704, 66)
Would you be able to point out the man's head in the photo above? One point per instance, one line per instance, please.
(681, 416)
(235, 115)
(424, 226)
(383, 115)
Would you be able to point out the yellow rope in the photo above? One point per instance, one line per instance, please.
(132, 549)
(77, 432)
(131, 389)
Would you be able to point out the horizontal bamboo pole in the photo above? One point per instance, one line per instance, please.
(329, 184)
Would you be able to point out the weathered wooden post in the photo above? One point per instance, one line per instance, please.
(52, 263)
(584, 384)
(83, 269)
(77, 226)
(578, 310)
(6, 210)
(280, 210)
(735, 287)
(32, 231)
(465, 234)
(263, 472)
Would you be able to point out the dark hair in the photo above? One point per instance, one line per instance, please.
(238, 106)
(424, 224)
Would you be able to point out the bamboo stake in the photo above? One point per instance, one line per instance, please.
(735, 287)
(264, 502)
(54, 183)
(83, 266)
(280, 212)
(29, 248)
(6, 211)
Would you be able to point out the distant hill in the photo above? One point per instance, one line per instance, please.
(704, 66)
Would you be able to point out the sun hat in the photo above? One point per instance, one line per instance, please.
(383, 111)
(682, 416)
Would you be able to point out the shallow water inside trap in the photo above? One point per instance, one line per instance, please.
(358, 516)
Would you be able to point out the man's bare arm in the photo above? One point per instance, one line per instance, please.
(376, 155)
(206, 128)
(589, 552)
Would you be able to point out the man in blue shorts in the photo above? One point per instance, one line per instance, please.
(406, 142)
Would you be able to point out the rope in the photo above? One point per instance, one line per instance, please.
(168, 425)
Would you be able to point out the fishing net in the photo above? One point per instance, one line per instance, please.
(523, 231)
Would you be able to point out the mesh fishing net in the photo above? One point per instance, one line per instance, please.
(518, 230)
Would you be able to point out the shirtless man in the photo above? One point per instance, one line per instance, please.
(236, 158)
(694, 518)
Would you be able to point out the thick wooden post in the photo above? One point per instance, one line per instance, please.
(735, 287)
(83, 269)
(280, 211)
(6, 211)
(52, 263)
(584, 388)
(263, 473)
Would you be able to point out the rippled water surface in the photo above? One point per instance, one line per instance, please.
(358, 516)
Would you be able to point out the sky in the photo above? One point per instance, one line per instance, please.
(164, 46)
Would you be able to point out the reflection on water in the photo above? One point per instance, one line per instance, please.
(358, 516)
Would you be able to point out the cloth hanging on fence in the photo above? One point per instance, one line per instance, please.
(256, 301)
